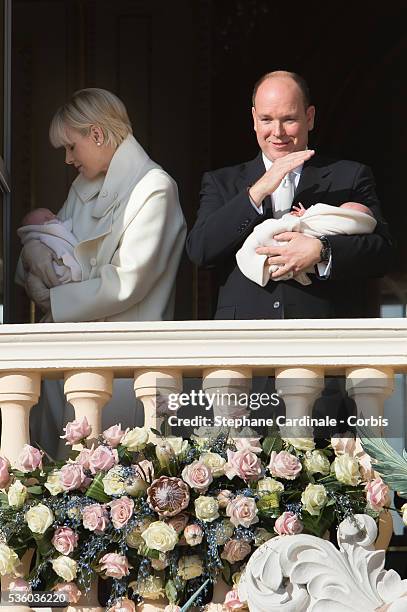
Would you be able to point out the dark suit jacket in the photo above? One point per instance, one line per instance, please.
(226, 217)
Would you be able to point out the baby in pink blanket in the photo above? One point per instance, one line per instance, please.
(41, 224)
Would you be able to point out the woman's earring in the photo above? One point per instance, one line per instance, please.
(98, 143)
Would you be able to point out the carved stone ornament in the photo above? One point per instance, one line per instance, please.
(303, 573)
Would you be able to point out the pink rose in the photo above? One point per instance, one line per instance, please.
(232, 600)
(365, 463)
(102, 459)
(71, 476)
(83, 457)
(144, 470)
(19, 584)
(288, 524)
(4, 472)
(121, 511)
(113, 435)
(343, 444)
(114, 565)
(284, 465)
(377, 494)
(243, 463)
(75, 431)
(29, 459)
(70, 589)
(224, 498)
(123, 605)
(242, 511)
(236, 550)
(193, 534)
(251, 444)
(95, 518)
(65, 540)
(197, 475)
(179, 521)
(172, 608)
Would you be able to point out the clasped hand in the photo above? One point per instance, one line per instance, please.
(38, 260)
(296, 253)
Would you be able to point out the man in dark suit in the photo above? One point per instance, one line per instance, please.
(235, 199)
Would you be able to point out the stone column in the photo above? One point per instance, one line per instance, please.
(88, 391)
(153, 387)
(18, 393)
(369, 387)
(228, 385)
(299, 388)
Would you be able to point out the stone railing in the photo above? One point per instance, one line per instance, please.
(88, 356)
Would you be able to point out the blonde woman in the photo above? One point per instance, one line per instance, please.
(130, 231)
(125, 215)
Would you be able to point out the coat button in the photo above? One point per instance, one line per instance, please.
(104, 194)
(276, 305)
(93, 261)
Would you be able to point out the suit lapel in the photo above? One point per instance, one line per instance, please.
(315, 179)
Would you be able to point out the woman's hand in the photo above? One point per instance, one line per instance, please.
(37, 259)
(38, 292)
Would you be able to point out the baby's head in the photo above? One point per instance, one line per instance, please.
(357, 206)
(38, 216)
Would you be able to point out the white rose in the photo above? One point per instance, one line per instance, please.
(303, 444)
(214, 462)
(65, 567)
(160, 536)
(224, 532)
(53, 483)
(317, 463)
(17, 494)
(404, 511)
(270, 485)
(39, 518)
(9, 560)
(178, 445)
(133, 538)
(346, 469)
(314, 499)
(206, 508)
(113, 482)
(135, 439)
(261, 535)
(190, 567)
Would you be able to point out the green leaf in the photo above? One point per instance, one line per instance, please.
(386, 461)
(144, 551)
(318, 525)
(272, 443)
(4, 500)
(227, 573)
(171, 591)
(96, 490)
(35, 490)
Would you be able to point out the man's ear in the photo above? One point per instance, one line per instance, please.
(96, 133)
(254, 118)
(310, 112)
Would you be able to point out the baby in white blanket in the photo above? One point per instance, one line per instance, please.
(317, 220)
(41, 224)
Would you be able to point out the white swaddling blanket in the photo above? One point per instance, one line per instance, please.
(318, 220)
(57, 236)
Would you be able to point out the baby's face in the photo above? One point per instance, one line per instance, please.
(357, 206)
(39, 216)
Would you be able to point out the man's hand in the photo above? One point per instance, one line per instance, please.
(273, 177)
(38, 292)
(297, 252)
(37, 259)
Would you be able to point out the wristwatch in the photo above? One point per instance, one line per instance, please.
(325, 253)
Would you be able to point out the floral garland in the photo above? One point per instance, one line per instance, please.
(169, 517)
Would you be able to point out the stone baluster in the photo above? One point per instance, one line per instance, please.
(299, 388)
(227, 385)
(369, 387)
(18, 393)
(153, 385)
(88, 391)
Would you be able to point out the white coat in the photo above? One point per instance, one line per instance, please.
(131, 232)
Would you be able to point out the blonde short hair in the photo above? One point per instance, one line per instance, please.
(87, 107)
